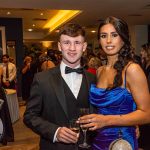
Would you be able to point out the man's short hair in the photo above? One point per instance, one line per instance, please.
(5, 55)
(72, 29)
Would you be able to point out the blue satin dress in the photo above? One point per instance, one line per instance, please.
(113, 102)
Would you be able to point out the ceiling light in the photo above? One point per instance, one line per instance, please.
(8, 13)
(93, 31)
(30, 30)
(60, 18)
(33, 25)
(41, 14)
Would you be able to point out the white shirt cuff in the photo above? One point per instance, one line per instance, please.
(55, 138)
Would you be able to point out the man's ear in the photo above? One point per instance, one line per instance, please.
(59, 47)
(84, 46)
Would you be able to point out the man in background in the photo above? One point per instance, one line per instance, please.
(9, 73)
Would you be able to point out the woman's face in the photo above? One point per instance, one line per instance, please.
(110, 40)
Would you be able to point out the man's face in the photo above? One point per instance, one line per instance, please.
(72, 49)
(5, 59)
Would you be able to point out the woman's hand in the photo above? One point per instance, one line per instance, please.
(93, 121)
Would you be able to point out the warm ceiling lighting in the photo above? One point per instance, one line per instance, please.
(61, 17)
(93, 31)
(33, 25)
(41, 14)
(30, 30)
(8, 13)
(47, 44)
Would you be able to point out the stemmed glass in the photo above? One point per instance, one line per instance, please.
(84, 111)
(75, 127)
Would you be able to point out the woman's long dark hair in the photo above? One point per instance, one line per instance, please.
(125, 54)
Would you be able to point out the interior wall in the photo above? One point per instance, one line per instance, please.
(141, 36)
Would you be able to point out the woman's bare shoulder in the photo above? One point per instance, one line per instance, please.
(135, 73)
(133, 68)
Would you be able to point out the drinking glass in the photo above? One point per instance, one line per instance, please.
(74, 126)
(84, 111)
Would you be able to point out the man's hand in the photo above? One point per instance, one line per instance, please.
(65, 135)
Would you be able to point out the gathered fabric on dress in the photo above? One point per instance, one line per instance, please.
(117, 101)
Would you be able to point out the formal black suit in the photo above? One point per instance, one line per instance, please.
(50, 106)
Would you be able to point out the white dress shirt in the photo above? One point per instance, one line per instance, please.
(73, 80)
(12, 72)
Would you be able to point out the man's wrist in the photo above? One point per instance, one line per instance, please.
(55, 136)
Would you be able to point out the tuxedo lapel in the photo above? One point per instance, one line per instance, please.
(92, 109)
(87, 79)
(57, 83)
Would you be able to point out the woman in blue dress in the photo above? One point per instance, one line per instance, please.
(121, 94)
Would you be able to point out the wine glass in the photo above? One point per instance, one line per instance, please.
(74, 126)
(84, 111)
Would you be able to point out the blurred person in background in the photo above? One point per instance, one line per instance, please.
(9, 73)
(145, 56)
(28, 70)
(45, 62)
(11, 59)
(93, 64)
(144, 141)
(1, 67)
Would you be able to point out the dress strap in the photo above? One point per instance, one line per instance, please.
(125, 74)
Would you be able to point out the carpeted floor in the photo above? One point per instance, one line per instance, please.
(25, 139)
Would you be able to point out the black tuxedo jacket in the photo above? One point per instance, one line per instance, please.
(46, 109)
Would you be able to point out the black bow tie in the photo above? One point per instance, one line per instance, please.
(69, 70)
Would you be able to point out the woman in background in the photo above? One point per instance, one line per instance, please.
(93, 64)
(45, 62)
(28, 70)
(121, 94)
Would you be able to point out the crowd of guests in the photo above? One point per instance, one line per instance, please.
(32, 65)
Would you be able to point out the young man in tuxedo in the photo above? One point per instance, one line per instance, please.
(58, 93)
